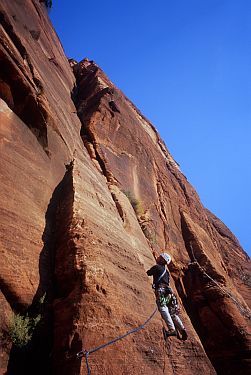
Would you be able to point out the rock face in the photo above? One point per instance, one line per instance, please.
(88, 192)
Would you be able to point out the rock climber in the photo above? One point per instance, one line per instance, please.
(165, 298)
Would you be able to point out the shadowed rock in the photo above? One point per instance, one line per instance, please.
(68, 228)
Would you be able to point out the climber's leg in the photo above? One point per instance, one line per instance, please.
(177, 322)
(167, 318)
(179, 326)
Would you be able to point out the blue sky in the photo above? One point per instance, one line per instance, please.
(186, 65)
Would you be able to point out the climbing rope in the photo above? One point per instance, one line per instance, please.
(242, 309)
(86, 353)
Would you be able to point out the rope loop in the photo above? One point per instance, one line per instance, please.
(86, 353)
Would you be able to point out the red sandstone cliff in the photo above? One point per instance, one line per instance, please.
(70, 148)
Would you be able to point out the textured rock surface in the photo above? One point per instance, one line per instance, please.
(68, 230)
(136, 160)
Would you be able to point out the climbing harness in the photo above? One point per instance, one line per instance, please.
(242, 309)
(164, 300)
(163, 294)
(86, 353)
(163, 273)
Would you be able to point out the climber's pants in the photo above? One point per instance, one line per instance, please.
(177, 322)
(172, 321)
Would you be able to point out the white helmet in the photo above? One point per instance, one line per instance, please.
(166, 257)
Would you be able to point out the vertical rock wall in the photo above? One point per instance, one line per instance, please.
(69, 234)
(211, 270)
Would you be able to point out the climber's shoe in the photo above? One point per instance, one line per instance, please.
(184, 334)
(169, 333)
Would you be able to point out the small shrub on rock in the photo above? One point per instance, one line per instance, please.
(21, 329)
(136, 203)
